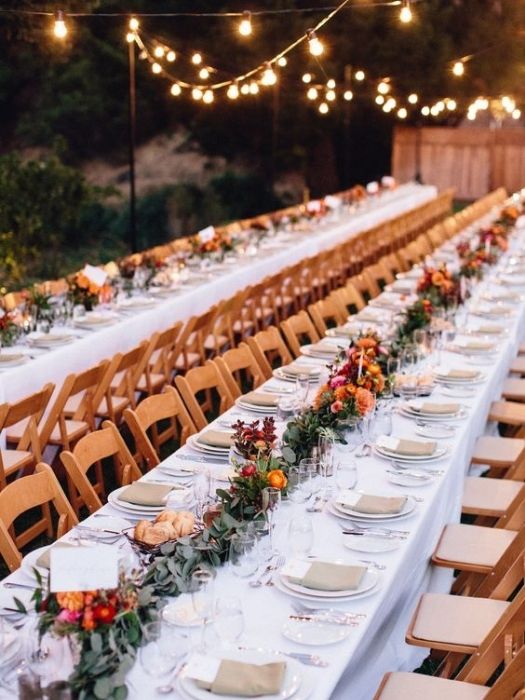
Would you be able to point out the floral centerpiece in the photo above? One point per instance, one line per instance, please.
(416, 316)
(219, 243)
(82, 290)
(494, 239)
(9, 328)
(439, 287)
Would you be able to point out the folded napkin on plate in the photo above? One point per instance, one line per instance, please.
(477, 345)
(143, 494)
(379, 505)
(370, 315)
(327, 576)
(44, 560)
(216, 438)
(258, 398)
(434, 408)
(412, 448)
(246, 680)
(460, 374)
(345, 331)
(324, 348)
(297, 370)
(51, 338)
(489, 330)
(11, 357)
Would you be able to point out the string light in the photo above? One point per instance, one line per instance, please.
(196, 59)
(134, 24)
(208, 97)
(516, 113)
(233, 91)
(360, 75)
(307, 78)
(402, 113)
(156, 68)
(312, 93)
(245, 89)
(204, 74)
(451, 105)
(348, 95)
(323, 108)
(330, 95)
(458, 69)
(196, 93)
(380, 100)
(60, 27)
(330, 84)
(315, 46)
(383, 88)
(159, 52)
(413, 98)
(245, 25)
(254, 88)
(130, 37)
(176, 90)
(171, 56)
(405, 15)
(269, 76)
(425, 111)
(282, 61)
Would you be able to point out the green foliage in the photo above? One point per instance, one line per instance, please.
(302, 433)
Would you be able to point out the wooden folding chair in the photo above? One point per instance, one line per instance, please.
(189, 349)
(38, 490)
(268, 346)
(349, 299)
(164, 407)
(89, 452)
(326, 313)
(159, 368)
(198, 380)
(237, 364)
(25, 415)
(365, 285)
(298, 330)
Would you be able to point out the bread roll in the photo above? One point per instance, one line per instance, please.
(167, 516)
(140, 529)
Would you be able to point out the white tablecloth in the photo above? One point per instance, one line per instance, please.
(55, 365)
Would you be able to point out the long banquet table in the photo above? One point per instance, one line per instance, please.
(357, 664)
(94, 345)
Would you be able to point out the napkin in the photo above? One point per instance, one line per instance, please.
(460, 374)
(259, 398)
(345, 331)
(13, 357)
(402, 286)
(297, 370)
(246, 680)
(51, 338)
(44, 560)
(143, 494)
(489, 329)
(377, 505)
(412, 448)
(216, 438)
(476, 345)
(370, 315)
(327, 576)
(324, 348)
(434, 408)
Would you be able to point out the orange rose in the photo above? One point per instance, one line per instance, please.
(277, 479)
(438, 278)
(366, 343)
(374, 369)
(73, 600)
(364, 400)
(380, 384)
(88, 621)
(82, 281)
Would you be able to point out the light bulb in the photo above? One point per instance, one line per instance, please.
(405, 15)
(383, 88)
(312, 93)
(143, 55)
(282, 62)
(425, 111)
(171, 56)
(156, 68)
(348, 95)
(204, 74)
(330, 95)
(245, 25)
(402, 113)
(307, 78)
(315, 46)
(208, 97)
(451, 105)
(387, 107)
(233, 92)
(380, 100)
(196, 93)
(434, 111)
(176, 90)
(159, 52)
(245, 89)
(323, 108)
(330, 84)
(413, 98)
(196, 59)
(458, 68)
(516, 113)
(440, 106)
(130, 37)
(269, 76)
(471, 116)
(134, 24)
(254, 88)
(360, 75)
(59, 27)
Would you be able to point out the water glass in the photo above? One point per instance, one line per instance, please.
(286, 408)
(302, 386)
(326, 455)
(381, 423)
(201, 490)
(313, 466)
(202, 597)
(299, 484)
(262, 535)
(244, 560)
(156, 655)
(301, 535)
(229, 619)
(346, 474)
(178, 641)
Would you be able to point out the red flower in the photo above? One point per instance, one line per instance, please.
(249, 470)
(104, 613)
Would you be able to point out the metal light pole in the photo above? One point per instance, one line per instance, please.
(132, 138)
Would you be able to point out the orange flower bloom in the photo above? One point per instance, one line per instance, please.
(364, 400)
(366, 343)
(277, 479)
(438, 278)
(380, 384)
(72, 600)
(374, 369)
(88, 621)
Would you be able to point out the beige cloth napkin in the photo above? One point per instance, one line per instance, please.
(258, 398)
(478, 345)
(44, 560)
(368, 315)
(438, 408)
(13, 357)
(297, 370)
(489, 330)
(326, 576)
(246, 680)
(324, 348)
(461, 374)
(415, 448)
(216, 438)
(143, 494)
(345, 332)
(378, 505)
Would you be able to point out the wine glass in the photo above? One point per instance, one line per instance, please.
(271, 501)
(261, 531)
(393, 368)
(156, 654)
(201, 490)
(326, 458)
(178, 642)
(202, 597)
(244, 560)
(229, 619)
(301, 535)
(299, 484)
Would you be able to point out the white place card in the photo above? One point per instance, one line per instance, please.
(203, 668)
(348, 497)
(95, 275)
(83, 568)
(314, 205)
(387, 442)
(372, 187)
(296, 568)
(207, 234)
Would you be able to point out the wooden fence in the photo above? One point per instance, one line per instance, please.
(472, 160)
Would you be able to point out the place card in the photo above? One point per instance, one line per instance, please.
(372, 187)
(95, 275)
(207, 234)
(83, 568)
(203, 668)
(295, 568)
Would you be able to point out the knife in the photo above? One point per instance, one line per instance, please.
(329, 619)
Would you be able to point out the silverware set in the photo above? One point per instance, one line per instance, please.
(265, 579)
(307, 659)
(380, 532)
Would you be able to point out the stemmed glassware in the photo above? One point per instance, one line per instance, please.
(202, 598)
(244, 559)
(271, 501)
(157, 655)
(229, 619)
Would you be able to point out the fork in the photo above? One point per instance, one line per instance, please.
(302, 608)
(373, 564)
(403, 467)
(382, 530)
(279, 562)
(260, 580)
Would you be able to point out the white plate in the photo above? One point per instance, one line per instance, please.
(330, 353)
(105, 522)
(410, 481)
(281, 586)
(12, 360)
(91, 322)
(407, 508)
(436, 432)
(407, 408)
(386, 454)
(430, 418)
(136, 303)
(140, 510)
(50, 340)
(370, 544)
(460, 393)
(209, 449)
(292, 681)
(364, 521)
(271, 410)
(312, 633)
(177, 470)
(182, 613)
(281, 374)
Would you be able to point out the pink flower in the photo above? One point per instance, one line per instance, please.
(336, 406)
(69, 616)
(338, 380)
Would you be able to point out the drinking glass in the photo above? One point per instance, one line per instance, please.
(201, 490)
(286, 408)
(229, 619)
(271, 501)
(393, 368)
(302, 386)
(346, 474)
(299, 484)
(156, 654)
(382, 423)
(326, 455)
(407, 386)
(420, 337)
(313, 466)
(409, 358)
(202, 597)
(301, 535)
(262, 531)
(178, 641)
(243, 554)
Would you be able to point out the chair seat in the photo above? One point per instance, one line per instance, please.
(157, 381)
(190, 359)
(75, 429)
(508, 412)
(119, 404)
(415, 686)
(497, 451)
(518, 365)
(484, 496)
(215, 342)
(447, 619)
(513, 389)
(472, 545)
(13, 460)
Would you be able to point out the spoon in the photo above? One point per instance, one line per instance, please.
(170, 687)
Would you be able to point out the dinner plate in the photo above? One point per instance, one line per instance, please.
(409, 506)
(329, 353)
(95, 321)
(459, 392)
(164, 291)
(50, 340)
(370, 544)
(281, 585)
(402, 479)
(435, 432)
(314, 633)
(136, 303)
(364, 521)
(144, 510)
(411, 459)
(209, 449)
(293, 676)
(280, 373)
(430, 418)
(12, 359)
(256, 409)
(409, 407)
(463, 350)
